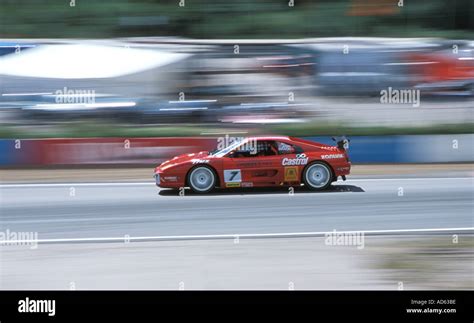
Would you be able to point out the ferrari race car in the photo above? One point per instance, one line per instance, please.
(258, 162)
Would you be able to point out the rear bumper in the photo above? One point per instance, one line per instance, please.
(342, 169)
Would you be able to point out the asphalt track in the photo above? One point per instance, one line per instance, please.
(101, 210)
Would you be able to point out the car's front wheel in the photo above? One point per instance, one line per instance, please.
(317, 176)
(202, 179)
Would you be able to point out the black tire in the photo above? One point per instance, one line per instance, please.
(202, 179)
(317, 176)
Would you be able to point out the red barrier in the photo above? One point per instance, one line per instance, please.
(112, 150)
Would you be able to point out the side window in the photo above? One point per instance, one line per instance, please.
(248, 149)
(267, 148)
(242, 152)
(284, 149)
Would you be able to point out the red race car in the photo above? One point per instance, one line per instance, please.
(258, 162)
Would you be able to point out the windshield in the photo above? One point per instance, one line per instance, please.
(228, 149)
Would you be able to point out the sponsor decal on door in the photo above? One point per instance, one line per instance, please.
(232, 176)
(291, 174)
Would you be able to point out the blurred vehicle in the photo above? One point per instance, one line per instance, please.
(193, 111)
(364, 66)
(258, 162)
(53, 107)
(447, 71)
(362, 72)
(265, 112)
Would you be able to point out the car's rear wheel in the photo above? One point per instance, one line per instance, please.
(317, 176)
(202, 179)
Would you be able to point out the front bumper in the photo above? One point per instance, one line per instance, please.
(168, 181)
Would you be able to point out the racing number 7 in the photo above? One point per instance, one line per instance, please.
(233, 174)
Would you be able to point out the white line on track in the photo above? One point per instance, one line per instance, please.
(21, 185)
(406, 179)
(126, 238)
(77, 184)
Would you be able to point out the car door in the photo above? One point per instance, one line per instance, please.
(293, 161)
(244, 168)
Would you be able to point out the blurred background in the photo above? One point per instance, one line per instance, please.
(115, 71)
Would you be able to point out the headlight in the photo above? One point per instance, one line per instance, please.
(157, 179)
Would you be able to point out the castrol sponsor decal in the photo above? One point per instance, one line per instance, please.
(300, 159)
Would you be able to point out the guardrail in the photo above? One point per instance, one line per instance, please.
(409, 148)
(90, 151)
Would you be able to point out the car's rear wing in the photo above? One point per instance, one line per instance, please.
(342, 142)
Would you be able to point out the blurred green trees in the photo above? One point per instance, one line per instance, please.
(235, 19)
